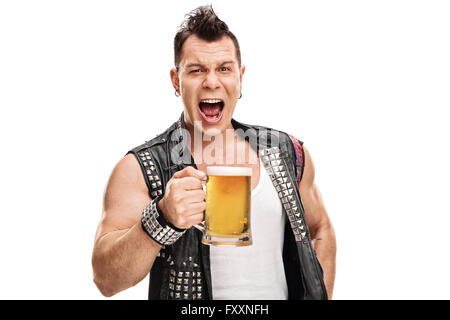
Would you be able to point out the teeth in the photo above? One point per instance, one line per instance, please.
(211, 101)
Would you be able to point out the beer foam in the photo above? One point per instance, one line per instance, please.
(229, 171)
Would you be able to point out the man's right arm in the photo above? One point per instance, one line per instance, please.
(123, 253)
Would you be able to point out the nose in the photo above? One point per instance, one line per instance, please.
(211, 81)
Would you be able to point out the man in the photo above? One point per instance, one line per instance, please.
(154, 196)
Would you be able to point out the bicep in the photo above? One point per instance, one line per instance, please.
(124, 198)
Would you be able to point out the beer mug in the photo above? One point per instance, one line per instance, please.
(227, 214)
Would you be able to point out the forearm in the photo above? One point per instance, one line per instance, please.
(122, 258)
(326, 253)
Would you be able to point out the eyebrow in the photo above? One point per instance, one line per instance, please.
(190, 65)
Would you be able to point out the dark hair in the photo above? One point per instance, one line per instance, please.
(204, 23)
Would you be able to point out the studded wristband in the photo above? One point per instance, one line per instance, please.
(158, 228)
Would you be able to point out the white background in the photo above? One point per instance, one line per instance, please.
(365, 84)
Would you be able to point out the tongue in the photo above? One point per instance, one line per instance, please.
(210, 109)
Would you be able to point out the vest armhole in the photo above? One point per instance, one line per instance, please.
(141, 165)
(149, 170)
(302, 169)
(300, 157)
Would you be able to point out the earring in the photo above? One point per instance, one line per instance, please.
(240, 96)
(176, 93)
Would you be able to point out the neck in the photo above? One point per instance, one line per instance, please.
(203, 138)
(218, 147)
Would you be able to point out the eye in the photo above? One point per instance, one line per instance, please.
(195, 71)
(225, 69)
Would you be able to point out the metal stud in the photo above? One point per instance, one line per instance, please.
(275, 163)
(275, 166)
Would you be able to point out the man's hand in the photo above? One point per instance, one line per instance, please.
(184, 199)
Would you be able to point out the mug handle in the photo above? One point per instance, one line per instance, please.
(202, 225)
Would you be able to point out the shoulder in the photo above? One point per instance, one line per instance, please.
(126, 176)
(124, 197)
(130, 172)
(308, 169)
(297, 152)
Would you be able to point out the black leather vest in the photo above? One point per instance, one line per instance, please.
(182, 270)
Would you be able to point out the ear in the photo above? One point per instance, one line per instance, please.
(241, 74)
(175, 79)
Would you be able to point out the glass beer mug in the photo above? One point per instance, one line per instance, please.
(228, 200)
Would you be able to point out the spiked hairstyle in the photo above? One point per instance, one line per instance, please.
(204, 23)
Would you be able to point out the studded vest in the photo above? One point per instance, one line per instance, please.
(182, 270)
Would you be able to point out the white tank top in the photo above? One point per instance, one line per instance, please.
(254, 272)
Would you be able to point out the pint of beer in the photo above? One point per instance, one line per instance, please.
(228, 197)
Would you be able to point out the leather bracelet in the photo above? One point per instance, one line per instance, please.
(157, 227)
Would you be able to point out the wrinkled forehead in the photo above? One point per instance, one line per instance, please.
(196, 50)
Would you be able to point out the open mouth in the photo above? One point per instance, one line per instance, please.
(211, 110)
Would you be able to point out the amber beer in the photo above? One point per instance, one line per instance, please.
(227, 215)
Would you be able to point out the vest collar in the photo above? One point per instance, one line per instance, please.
(259, 138)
